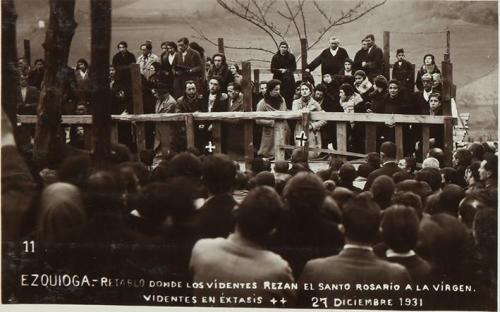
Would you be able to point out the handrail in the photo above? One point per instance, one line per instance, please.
(277, 115)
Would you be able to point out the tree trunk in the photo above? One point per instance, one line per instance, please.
(10, 86)
(49, 140)
(99, 78)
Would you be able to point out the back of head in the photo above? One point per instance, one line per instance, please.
(491, 165)
(382, 189)
(437, 153)
(185, 165)
(154, 202)
(331, 210)
(259, 165)
(258, 214)
(103, 194)
(468, 208)
(449, 175)
(485, 231)
(240, 181)
(281, 166)
(400, 226)
(347, 173)
(364, 170)
(342, 195)
(304, 194)
(180, 195)
(430, 162)
(477, 151)
(463, 156)
(361, 219)
(373, 159)
(265, 178)
(409, 199)
(335, 164)
(430, 175)
(218, 173)
(388, 151)
(421, 188)
(139, 169)
(449, 200)
(298, 156)
(62, 215)
(401, 176)
(75, 170)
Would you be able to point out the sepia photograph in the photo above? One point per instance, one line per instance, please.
(283, 154)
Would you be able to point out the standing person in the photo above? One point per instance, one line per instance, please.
(429, 67)
(82, 82)
(165, 103)
(123, 57)
(331, 59)
(190, 102)
(35, 77)
(187, 65)
(352, 102)
(272, 101)
(232, 129)
(306, 103)
(403, 70)
(283, 65)
(329, 130)
(121, 103)
(346, 74)
(169, 49)
(203, 80)
(374, 62)
(361, 56)
(146, 59)
(220, 71)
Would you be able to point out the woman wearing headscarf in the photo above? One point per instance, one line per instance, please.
(282, 66)
(429, 67)
(362, 84)
(306, 103)
(272, 101)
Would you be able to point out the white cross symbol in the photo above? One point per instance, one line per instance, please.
(210, 147)
(283, 300)
(301, 138)
(273, 301)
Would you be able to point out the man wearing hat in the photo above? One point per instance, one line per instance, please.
(331, 59)
(403, 71)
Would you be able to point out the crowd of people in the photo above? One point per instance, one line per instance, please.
(198, 218)
(183, 80)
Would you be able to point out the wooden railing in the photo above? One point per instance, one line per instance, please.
(168, 121)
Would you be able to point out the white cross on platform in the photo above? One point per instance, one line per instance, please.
(273, 301)
(301, 138)
(210, 147)
(283, 300)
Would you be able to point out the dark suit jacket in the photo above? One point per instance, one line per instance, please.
(215, 218)
(194, 64)
(29, 104)
(351, 266)
(403, 73)
(329, 64)
(388, 169)
(374, 62)
(120, 59)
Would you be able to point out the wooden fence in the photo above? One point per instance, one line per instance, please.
(168, 122)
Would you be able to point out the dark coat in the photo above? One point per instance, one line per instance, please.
(329, 64)
(401, 104)
(374, 62)
(215, 218)
(190, 69)
(287, 79)
(167, 67)
(388, 170)
(422, 71)
(360, 57)
(377, 101)
(35, 78)
(124, 59)
(29, 104)
(404, 73)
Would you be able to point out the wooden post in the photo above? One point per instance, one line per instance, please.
(27, 51)
(190, 131)
(247, 107)
(448, 37)
(166, 130)
(446, 91)
(303, 52)
(342, 137)
(220, 45)
(11, 92)
(448, 141)
(399, 141)
(216, 136)
(425, 140)
(256, 78)
(306, 119)
(280, 133)
(99, 79)
(370, 137)
(136, 79)
(114, 132)
(413, 77)
(387, 54)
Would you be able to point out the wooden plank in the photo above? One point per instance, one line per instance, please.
(248, 141)
(425, 140)
(387, 53)
(342, 137)
(325, 150)
(27, 51)
(446, 91)
(306, 119)
(216, 136)
(138, 105)
(190, 131)
(166, 135)
(448, 142)
(279, 139)
(370, 137)
(303, 53)
(114, 133)
(399, 141)
(246, 86)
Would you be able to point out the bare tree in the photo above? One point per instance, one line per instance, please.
(49, 137)
(295, 22)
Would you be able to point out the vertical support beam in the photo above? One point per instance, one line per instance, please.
(166, 135)
(303, 53)
(256, 78)
(370, 137)
(399, 141)
(448, 39)
(216, 136)
(446, 92)
(342, 137)
(189, 131)
(387, 54)
(87, 136)
(27, 51)
(413, 77)
(279, 139)
(306, 119)
(136, 79)
(114, 132)
(220, 45)
(248, 140)
(11, 92)
(448, 141)
(425, 140)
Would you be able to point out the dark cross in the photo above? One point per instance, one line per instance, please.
(210, 147)
(301, 138)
